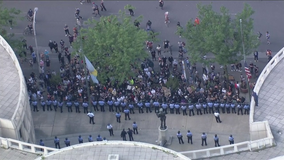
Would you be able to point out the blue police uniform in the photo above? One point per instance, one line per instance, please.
(60, 104)
(148, 107)
(183, 108)
(117, 106)
(67, 142)
(48, 104)
(43, 105)
(165, 107)
(246, 107)
(204, 105)
(228, 106)
(191, 109)
(177, 106)
(102, 105)
(172, 106)
(216, 106)
(55, 103)
(210, 106)
(69, 106)
(140, 107)
(118, 115)
(95, 105)
(222, 106)
(126, 113)
(233, 106)
(156, 105)
(131, 108)
(110, 106)
(85, 106)
(77, 106)
(198, 108)
(240, 108)
(34, 103)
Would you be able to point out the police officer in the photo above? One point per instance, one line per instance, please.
(148, 107)
(246, 107)
(204, 105)
(233, 106)
(216, 106)
(95, 105)
(85, 106)
(183, 108)
(110, 105)
(67, 142)
(126, 113)
(48, 104)
(130, 134)
(189, 136)
(102, 105)
(117, 106)
(131, 108)
(240, 108)
(110, 129)
(165, 107)
(80, 139)
(118, 116)
(35, 105)
(216, 140)
(60, 105)
(203, 139)
(140, 107)
(90, 138)
(231, 139)
(177, 106)
(172, 106)
(228, 106)
(99, 138)
(123, 105)
(179, 136)
(156, 104)
(222, 106)
(57, 142)
(198, 108)
(77, 106)
(69, 106)
(135, 128)
(210, 106)
(43, 105)
(123, 135)
(191, 109)
(41, 142)
(91, 116)
(54, 103)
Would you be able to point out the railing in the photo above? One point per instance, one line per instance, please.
(23, 146)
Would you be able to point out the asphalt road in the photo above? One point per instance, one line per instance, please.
(50, 22)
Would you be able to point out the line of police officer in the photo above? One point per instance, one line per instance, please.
(125, 107)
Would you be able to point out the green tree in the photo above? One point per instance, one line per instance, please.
(8, 18)
(114, 45)
(219, 34)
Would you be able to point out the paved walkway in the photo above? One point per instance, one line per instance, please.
(270, 108)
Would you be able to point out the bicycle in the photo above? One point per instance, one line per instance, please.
(28, 31)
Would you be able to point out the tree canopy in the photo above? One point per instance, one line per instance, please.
(6, 15)
(219, 33)
(114, 45)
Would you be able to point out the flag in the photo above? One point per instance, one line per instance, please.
(247, 70)
(93, 72)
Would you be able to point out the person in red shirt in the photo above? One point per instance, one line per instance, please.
(196, 21)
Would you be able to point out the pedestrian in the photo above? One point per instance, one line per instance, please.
(189, 136)
(126, 113)
(99, 138)
(103, 6)
(91, 116)
(77, 106)
(41, 142)
(233, 106)
(255, 97)
(267, 37)
(96, 10)
(118, 116)
(57, 142)
(51, 45)
(131, 12)
(95, 105)
(231, 139)
(228, 106)
(102, 105)
(203, 139)
(66, 29)
(117, 106)
(156, 105)
(135, 128)
(55, 45)
(222, 106)
(140, 107)
(90, 138)
(198, 109)
(48, 104)
(60, 105)
(67, 142)
(217, 117)
(255, 56)
(179, 136)
(131, 108)
(216, 140)
(69, 105)
(110, 129)
(216, 106)
(123, 135)
(172, 106)
(104, 139)
(80, 139)
(130, 134)
(55, 103)
(210, 106)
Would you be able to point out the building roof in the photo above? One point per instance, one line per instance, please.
(12, 82)
(126, 150)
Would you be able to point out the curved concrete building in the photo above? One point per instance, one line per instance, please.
(15, 113)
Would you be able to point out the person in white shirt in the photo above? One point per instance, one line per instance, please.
(109, 127)
(217, 116)
(91, 116)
